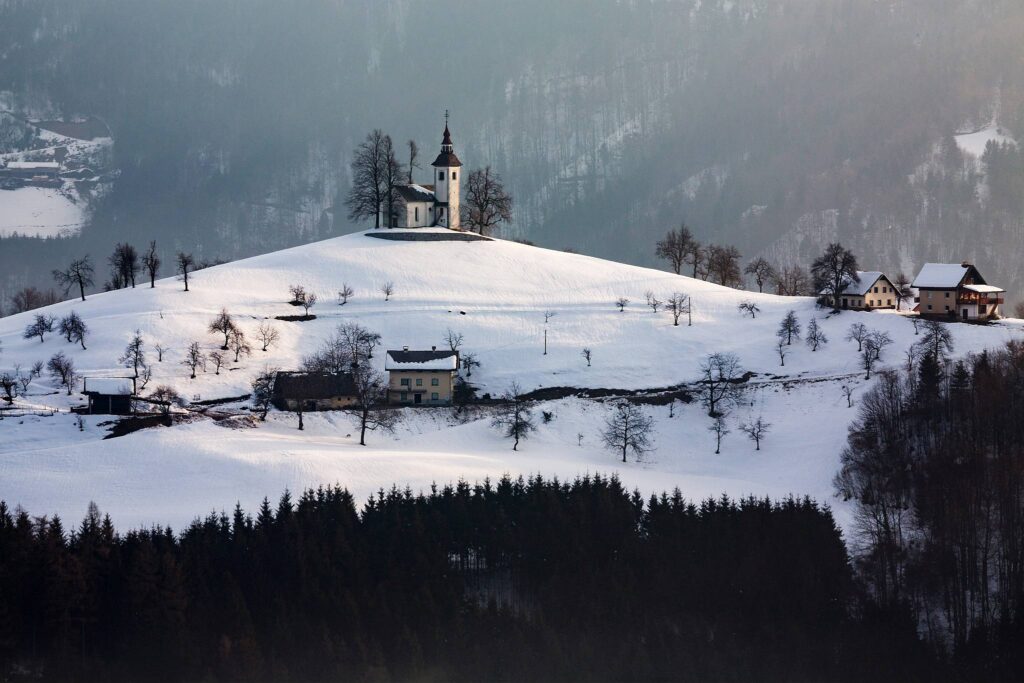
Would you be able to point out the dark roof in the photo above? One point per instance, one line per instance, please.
(422, 360)
(313, 385)
(415, 193)
(447, 159)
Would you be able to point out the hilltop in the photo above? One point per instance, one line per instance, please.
(495, 293)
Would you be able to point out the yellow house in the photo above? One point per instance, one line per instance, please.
(421, 377)
(957, 291)
(873, 290)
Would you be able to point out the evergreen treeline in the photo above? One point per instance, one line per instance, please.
(935, 463)
(519, 580)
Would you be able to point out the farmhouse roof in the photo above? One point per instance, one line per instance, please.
(867, 280)
(109, 386)
(421, 360)
(313, 385)
(942, 275)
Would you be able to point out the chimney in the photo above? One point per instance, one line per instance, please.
(405, 348)
(966, 264)
(433, 348)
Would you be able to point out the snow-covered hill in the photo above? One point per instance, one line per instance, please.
(494, 293)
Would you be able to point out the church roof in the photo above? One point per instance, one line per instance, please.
(447, 159)
(416, 193)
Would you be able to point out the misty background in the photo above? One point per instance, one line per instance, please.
(773, 125)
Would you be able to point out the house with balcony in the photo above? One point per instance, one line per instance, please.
(956, 291)
(421, 377)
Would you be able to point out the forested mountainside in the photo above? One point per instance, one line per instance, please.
(775, 125)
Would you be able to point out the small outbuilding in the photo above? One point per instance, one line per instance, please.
(312, 391)
(109, 395)
(421, 377)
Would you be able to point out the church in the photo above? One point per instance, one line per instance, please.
(436, 204)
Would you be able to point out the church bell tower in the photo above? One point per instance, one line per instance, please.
(447, 169)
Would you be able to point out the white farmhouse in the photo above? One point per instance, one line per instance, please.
(435, 204)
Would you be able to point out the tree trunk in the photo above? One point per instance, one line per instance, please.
(81, 288)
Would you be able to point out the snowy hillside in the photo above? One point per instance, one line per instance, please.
(495, 293)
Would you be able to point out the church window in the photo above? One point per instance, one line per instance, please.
(416, 209)
(454, 176)
(440, 175)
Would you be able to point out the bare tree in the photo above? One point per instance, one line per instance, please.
(848, 393)
(239, 344)
(763, 272)
(724, 265)
(815, 335)
(267, 334)
(783, 350)
(144, 377)
(351, 345)
(298, 294)
(308, 302)
(124, 265)
(63, 368)
(749, 307)
(678, 304)
(394, 174)
(513, 416)
(387, 289)
(194, 358)
(792, 281)
(916, 322)
(696, 256)
(160, 350)
(78, 274)
(453, 339)
(24, 379)
(858, 332)
(833, 271)
(469, 361)
(874, 344)
(151, 263)
(936, 340)
(184, 263)
(789, 328)
(217, 358)
(40, 326)
(587, 355)
(263, 391)
(369, 188)
(487, 205)
(165, 397)
(414, 152)
(9, 384)
(676, 247)
(720, 384)
(622, 302)
(626, 429)
(222, 324)
(370, 407)
(902, 289)
(652, 301)
(344, 294)
(29, 298)
(134, 355)
(756, 431)
(720, 428)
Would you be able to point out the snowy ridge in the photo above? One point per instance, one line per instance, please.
(494, 293)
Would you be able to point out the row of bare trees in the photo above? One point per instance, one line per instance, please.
(125, 265)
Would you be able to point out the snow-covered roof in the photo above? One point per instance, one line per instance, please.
(30, 165)
(421, 360)
(984, 289)
(940, 275)
(113, 386)
(416, 193)
(867, 279)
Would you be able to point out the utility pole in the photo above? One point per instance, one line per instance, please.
(545, 341)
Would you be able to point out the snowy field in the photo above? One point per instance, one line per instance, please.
(39, 212)
(495, 293)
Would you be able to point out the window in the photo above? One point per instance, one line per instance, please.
(947, 295)
(417, 211)
(888, 302)
(929, 307)
(929, 296)
(434, 396)
(404, 382)
(440, 175)
(419, 382)
(435, 382)
(404, 396)
(947, 308)
(876, 290)
(454, 176)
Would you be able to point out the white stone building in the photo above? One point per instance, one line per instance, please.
(435, 204)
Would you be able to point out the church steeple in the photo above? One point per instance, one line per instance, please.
(446, 182)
